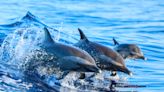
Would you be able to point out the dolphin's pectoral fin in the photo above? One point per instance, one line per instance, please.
(47, 35)
(82, 75)
(82, 35)
(113, 73)
(89, 79)
(115, 42)
(107, 60)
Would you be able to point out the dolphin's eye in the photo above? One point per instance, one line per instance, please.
(131, 54)
(134, 50)
(118, 50)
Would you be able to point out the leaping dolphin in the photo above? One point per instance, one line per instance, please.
(106, 58)
(68, 58)
(131, 51)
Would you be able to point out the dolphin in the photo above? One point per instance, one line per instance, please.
(106, 58)
(68, 58)
(131, 51)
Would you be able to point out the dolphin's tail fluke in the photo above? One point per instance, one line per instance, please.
(115, 42)
(82, 35)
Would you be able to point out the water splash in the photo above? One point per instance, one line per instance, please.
(18, 48)
(30, 20)
(21, 51)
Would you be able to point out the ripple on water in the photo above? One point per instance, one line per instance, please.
(130, 21)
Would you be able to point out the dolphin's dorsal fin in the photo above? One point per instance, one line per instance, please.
(115, 42)
(82, 35)
(47, 35)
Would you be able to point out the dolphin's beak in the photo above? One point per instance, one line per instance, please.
(142, 57)
(94, 69)
(145, 58)
(139, 56)
(130, 74)
(127, 72)
(99, 71)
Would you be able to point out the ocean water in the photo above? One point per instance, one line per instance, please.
(130, 21)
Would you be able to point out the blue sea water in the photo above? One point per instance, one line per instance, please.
(130, 21)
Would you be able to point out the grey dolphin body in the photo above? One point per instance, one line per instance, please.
(131, 51)
(68, 58)
(106, 58)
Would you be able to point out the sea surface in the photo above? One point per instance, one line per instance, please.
(139, 22)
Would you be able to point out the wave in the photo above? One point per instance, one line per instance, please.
(30, 20)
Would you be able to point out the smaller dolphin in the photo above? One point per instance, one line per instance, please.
(131, 51)
(68, 58)
(106, 58)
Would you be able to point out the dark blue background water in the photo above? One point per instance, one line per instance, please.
(129, 21)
